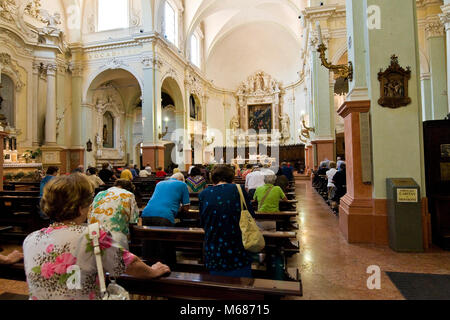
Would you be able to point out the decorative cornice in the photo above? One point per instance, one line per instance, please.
(324, 12)
(423, 4)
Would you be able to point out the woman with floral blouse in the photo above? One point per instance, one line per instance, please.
(115, 209)
(55, 257)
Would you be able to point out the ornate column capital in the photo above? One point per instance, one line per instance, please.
(76, 69)
(51, 69)
(434, 27)
(150, 62)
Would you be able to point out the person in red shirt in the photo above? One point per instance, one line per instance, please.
(160, 173)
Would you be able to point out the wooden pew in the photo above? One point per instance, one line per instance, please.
(283, 218)
(191, 286)
(282, 244)
(22, 213)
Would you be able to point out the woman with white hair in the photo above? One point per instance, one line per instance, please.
(269, 196)
(161, 210)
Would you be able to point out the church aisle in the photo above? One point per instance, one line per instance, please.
(332, 269)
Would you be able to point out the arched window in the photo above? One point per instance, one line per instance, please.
(112, 14)
(195, 50)
(108, 130)
(171, 24)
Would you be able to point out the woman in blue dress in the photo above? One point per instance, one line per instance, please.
(220, 212)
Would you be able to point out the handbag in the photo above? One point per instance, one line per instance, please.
(252, 238)
(261, 203)
(114, 291)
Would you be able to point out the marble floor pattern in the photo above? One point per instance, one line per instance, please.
(332, 269)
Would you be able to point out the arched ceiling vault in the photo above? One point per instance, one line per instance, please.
(220, 17)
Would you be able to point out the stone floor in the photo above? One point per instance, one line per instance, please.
(331, 268)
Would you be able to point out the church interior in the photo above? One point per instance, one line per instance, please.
(296, 88)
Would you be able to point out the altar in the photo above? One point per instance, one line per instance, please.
(255, 159)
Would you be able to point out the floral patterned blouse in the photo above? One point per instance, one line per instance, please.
(55, 257)
(115, 209)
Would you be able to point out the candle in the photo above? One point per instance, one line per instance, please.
(319, 32)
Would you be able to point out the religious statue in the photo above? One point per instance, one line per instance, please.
(98, 140)
(285, 126)
(234, 123)
(105, 134)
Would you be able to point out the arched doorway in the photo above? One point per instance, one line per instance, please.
(172, 122)
(109, 120)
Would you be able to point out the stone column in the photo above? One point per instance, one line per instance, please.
(152, 150)
(77, 145)
(50, 116)
(51, 152)
(35, 106)
(356, 210)
(445, 18)
(384, 139)
(425, 82)
(436, 47)
(2, 135)
(324, 134)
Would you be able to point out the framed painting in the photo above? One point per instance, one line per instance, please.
(260, 117)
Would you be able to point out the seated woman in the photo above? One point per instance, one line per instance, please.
(220, 213)
(94, 178)
(196, 183)
(55, 255)
(115, 209)
(269, 196)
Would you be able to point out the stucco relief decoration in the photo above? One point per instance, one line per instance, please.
(394, 85)
(8, 10)
(114, 63)
(52, 22)
(8, 67)
(194, 84)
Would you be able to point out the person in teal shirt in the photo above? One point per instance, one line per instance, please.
(269, 196)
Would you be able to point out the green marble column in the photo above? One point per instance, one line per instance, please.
(436, 47)
(396, 133)
(425, 83)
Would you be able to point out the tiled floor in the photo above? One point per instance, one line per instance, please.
(330, 267)
(333, 269)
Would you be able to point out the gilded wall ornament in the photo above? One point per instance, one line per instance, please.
(394, 85)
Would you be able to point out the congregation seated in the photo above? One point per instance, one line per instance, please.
(126, 173)
(160, 173)
(287, 171)
(94, 178)
(115, 209)
(340, 181)
(254, 180)
(147, 172)
(220, 212)
(269, 196)
(282, 182)
(106, 174)
(247, 171)
(266, 170)
(51, 173)
(196, 183)
(162, 209)
(51, 254)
